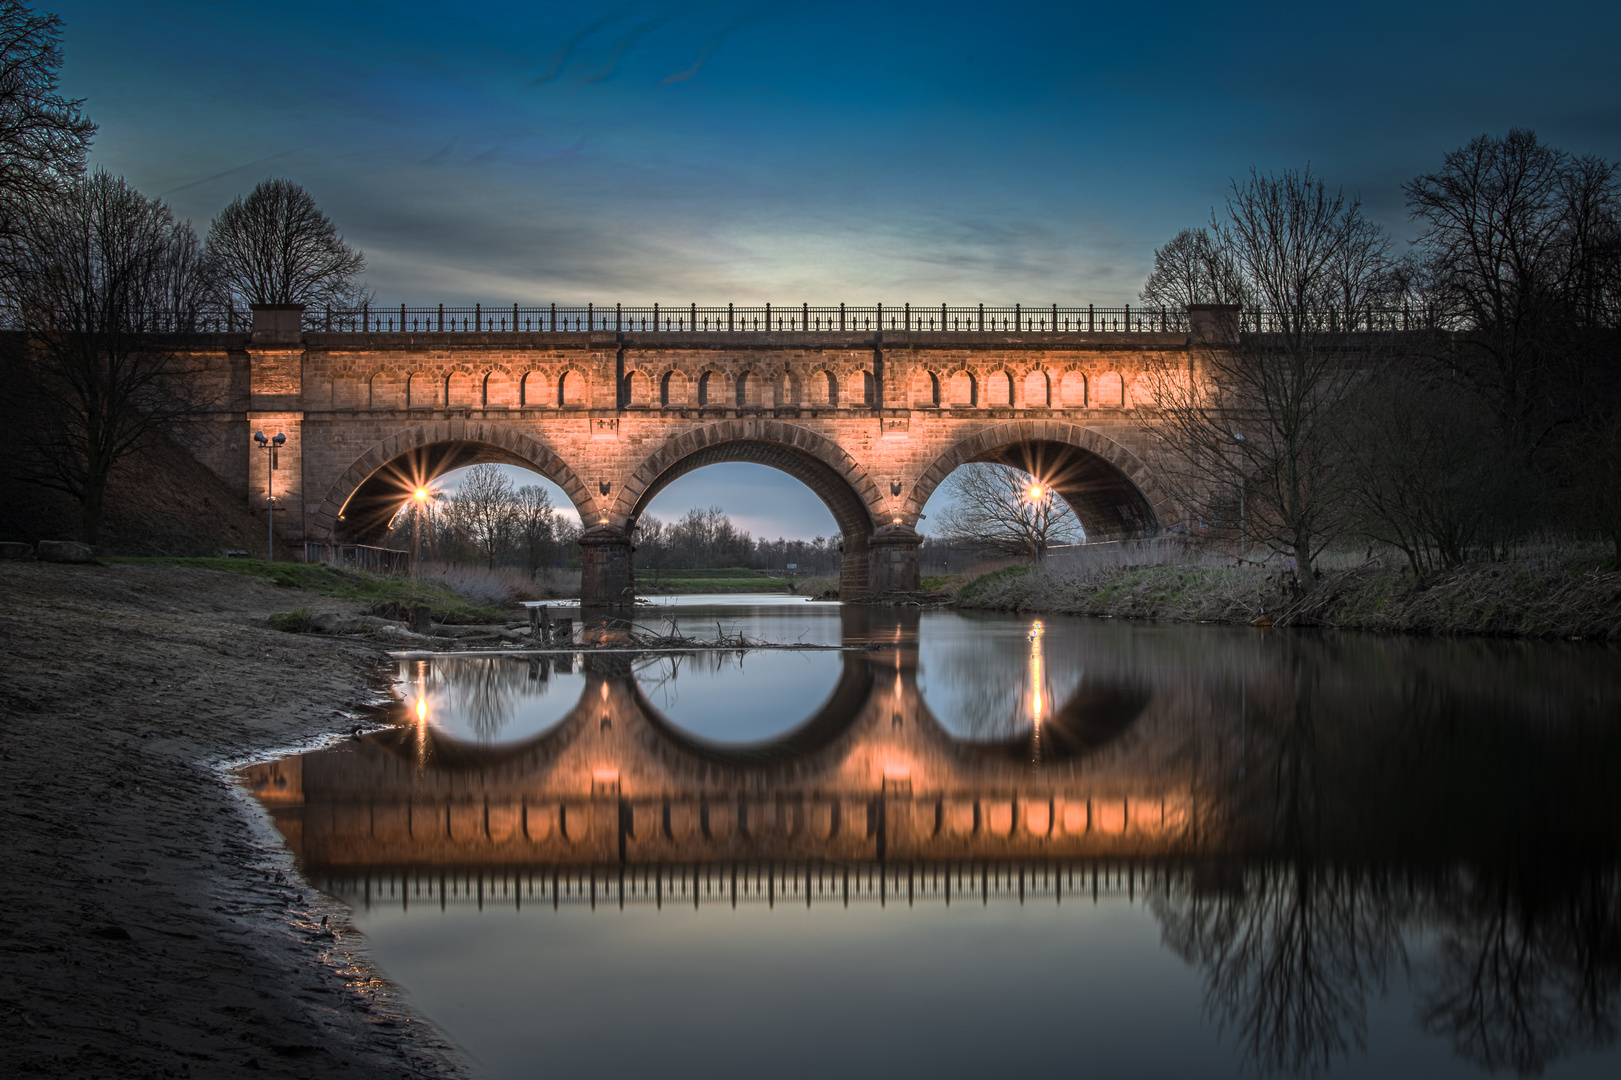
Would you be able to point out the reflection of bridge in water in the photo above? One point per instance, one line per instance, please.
(853, 802)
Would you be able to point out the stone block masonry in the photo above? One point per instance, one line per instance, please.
(873, 422)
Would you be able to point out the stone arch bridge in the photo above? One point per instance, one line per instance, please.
(870, 420)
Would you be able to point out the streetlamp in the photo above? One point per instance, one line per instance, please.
(1243, 535)
(271, 447)
(1040, 496)
(421, 497)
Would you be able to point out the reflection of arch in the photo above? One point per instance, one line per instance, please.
(817, 462)
(1112, 490)
(360, 504)
(1094, 715)
(832, 718)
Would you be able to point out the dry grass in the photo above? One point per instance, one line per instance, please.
(1550, 589)
(502, 586)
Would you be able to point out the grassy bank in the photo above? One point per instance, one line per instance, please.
(454, 596)
(1554, 591)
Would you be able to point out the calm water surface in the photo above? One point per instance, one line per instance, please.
(972, 844)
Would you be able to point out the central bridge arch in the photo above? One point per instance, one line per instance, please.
(820, 464)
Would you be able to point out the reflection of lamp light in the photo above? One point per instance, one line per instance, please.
(605, 780)
(422, 708)
(897, 772)
(1037, 631)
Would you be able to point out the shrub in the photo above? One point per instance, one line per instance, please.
(296, 621)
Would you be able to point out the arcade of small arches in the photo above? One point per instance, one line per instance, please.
(819, 387)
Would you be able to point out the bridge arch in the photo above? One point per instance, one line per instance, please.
(1114, 493)
(816, 461)
(360, 503)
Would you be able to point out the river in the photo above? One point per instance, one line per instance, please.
(958, 845)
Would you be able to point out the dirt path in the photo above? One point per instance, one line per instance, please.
(153, 926)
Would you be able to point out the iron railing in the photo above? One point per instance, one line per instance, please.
(733, 318)
(768, 318)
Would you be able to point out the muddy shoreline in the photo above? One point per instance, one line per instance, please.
(155, 925)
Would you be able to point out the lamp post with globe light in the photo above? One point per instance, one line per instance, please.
(271, 446)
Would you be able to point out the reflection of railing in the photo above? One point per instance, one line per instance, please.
(358, 557)
(806, 884)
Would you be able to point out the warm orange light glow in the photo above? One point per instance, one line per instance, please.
(897, 772)
(605, 776)
(422, 708)
(1035, 491)
(421, 494)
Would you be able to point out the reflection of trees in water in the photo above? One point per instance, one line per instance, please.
(659, 676)
(1525, 974)
(989, 681)
(1375, 811)
(486, 690)
(1290, 955)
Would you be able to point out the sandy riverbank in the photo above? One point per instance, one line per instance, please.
(154, 925)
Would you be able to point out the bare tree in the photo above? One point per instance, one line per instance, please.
(1192, 269)
(96, 271)
(535, 524)
(43, 135)
(1519, 241)
(1425, 474)
(483, 510)
(1252, 424)
(276, 247)
(1007, 511)
(1592, 458)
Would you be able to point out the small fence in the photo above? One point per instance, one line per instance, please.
(377, 560)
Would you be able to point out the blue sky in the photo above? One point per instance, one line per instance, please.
(894, 152)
